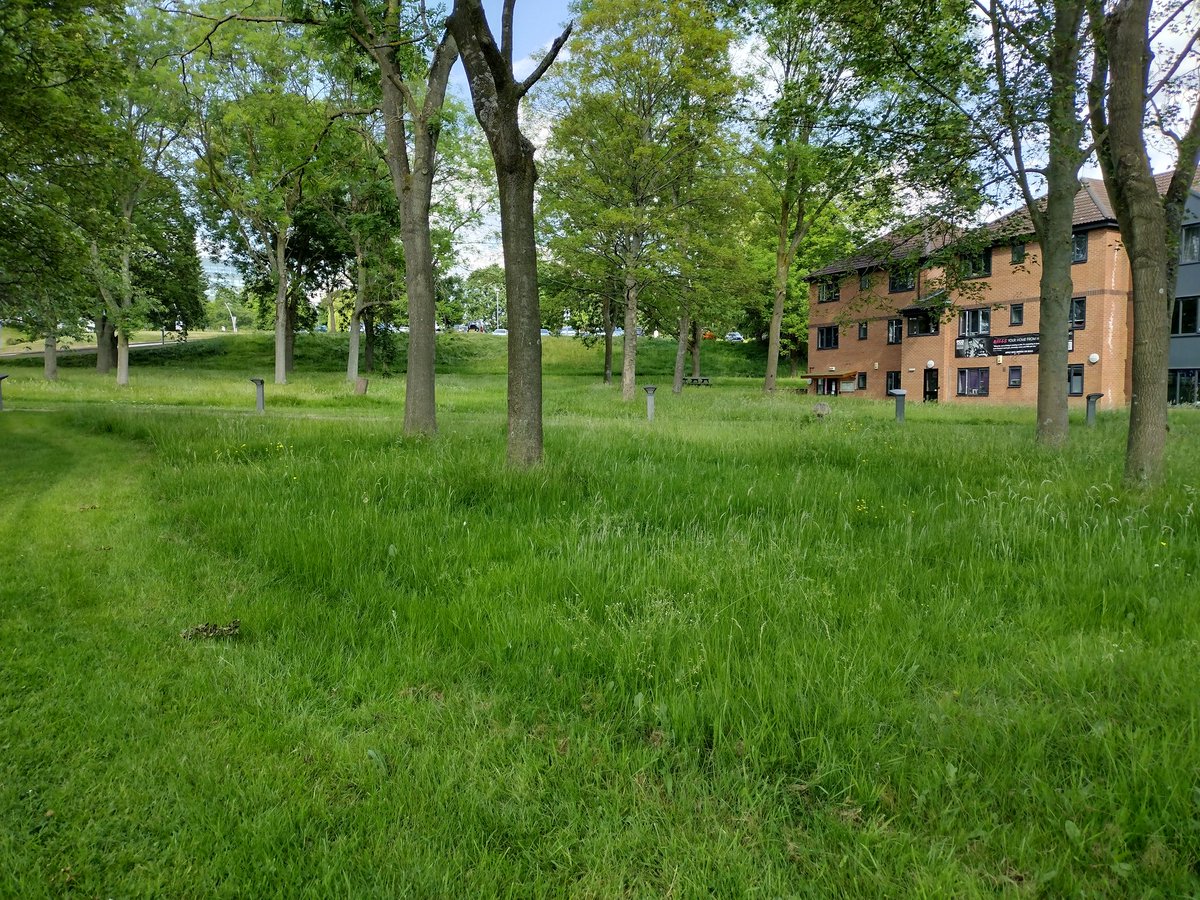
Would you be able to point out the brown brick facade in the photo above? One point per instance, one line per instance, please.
(1103, 282)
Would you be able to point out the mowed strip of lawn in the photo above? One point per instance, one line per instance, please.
(738, 651)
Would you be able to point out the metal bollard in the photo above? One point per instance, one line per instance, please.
(899, 395)
(261, 399)
(1091, 408)
(2, 377)
(650, 389)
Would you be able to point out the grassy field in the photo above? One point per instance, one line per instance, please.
(735, 651)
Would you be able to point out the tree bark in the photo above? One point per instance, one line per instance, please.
(369, 348)
(697, 337)
(1149, 224)
(412, 181)
(106, 344)
(122, 357)
(606, 313)
(289, 353)
(681, 347)
(281, 306)
(496, 96)
(629, 345)
(360, 297)
(50, 357)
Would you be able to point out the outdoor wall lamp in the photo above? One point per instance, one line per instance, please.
(1094, 358)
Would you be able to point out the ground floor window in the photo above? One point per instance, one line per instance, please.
(893, 382)
(1014, 376)
(1075, 380)
(827, 387)
(973, 382)
(862, 381)
(1183, 386)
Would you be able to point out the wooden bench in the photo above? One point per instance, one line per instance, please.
(700, 381)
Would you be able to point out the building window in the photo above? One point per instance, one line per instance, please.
(1079, 247)
(828, 292)
(827, 387)
(1018, 254)
(893, 382)
(864, 282)
(862, 381)
(1014, 376)
(922, 324)
(862, 331)
(895, 331)
(1078, 316)
(1075, 380)
(977, 266)
(973, 382)
(827, 337)
(1016, 314)
(1183, 386)
(1189, 245)
(899, 282)
(1184, 319)
(975, 321)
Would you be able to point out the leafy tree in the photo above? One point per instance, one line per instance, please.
(1125, 102)
(497, 96)
(638, 147)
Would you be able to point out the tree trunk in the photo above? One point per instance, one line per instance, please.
(606, 313)
(629, 345)
(281, 306)
(412, 182)
(369, 349)
(360, 298)
(106, 344)
(782, 267)
(697, 337)
(122, 357)
(50, 357)
(681, 346)
(289, 354)
(1065, 132)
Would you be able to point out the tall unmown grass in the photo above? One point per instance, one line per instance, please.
(736, 650)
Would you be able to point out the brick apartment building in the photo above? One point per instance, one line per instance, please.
(870, 330)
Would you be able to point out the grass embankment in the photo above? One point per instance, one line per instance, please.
(735, 651)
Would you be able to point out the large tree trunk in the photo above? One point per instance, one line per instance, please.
(122, 357)
(289, 353)
(50, 357)
(369, 348)
(1065, 132)
(629, 345)
(606, 313)
(360, 298)
(281, 306)
(412, 181)
(697, 337)
(681, 347)
(496, 95)
(106, 344)
(783, 265)
(1149, 224)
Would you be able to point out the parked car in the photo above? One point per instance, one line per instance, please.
(545, 332)
(500, 331)
(460, 329)
(708, 335)
(734, 337)
(618, 332)
(566, 331)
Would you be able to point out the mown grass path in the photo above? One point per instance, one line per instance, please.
(737, 652)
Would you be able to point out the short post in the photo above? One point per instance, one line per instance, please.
(1091, 408)
(360, 386)
(899, 394)
(2, 377)
(261, 399)
(650, 389)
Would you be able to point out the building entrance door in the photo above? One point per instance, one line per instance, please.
(931, 385)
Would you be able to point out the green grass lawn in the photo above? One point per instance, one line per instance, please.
(735, 651)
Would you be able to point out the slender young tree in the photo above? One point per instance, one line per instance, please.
(1127, 96)
(497, 94)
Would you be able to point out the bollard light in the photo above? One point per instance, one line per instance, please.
(899, 394)
(1091, 408)
(2, 377)
(650, 389)
(260, 403)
